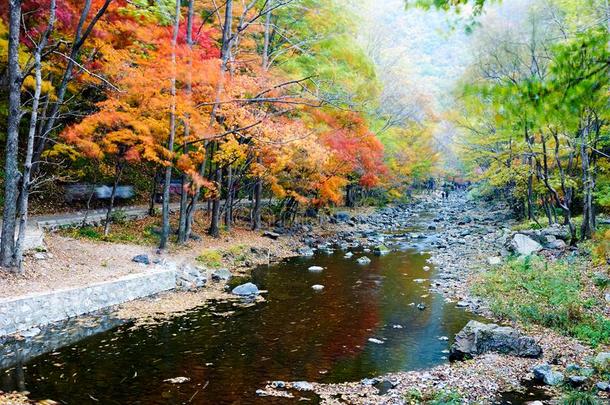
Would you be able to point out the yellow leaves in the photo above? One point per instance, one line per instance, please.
(231, 152)
(61, 150)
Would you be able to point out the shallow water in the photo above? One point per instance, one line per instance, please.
(297, 334)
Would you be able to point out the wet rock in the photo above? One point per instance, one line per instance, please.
(143, 259)
(305, 251)
(302, 386)
(381, 250)
(278, 384)
(348, 255)
(221, 275)
(421, 306)
(524, 245)
(247, 289)
(315, 269)
(544, 373)
(317, 287)
(376, 341)
(364, 260)
(478, 338)
(177, 380)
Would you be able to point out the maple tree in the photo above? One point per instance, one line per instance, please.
(216, 98)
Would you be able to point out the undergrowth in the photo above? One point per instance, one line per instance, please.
(551, 294)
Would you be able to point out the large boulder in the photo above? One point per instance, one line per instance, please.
(478, 338)
(523, 245)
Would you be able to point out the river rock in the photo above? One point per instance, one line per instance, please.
(302, 386)
(143, 259)
(317, 287)
(246, 289)
(221, 275)
(278, 384)
(577, 380)
(381, 250)
(544, 373)
(348, 255)
(305, 251)
(603, 386)
(494, 260)
(189, 278)
(364, 260)
(315, 269)
(602, 361)
(271, 235)
(342, 216)
(524, 245)
(478, 338)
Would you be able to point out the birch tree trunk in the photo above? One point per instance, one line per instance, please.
(27, 169)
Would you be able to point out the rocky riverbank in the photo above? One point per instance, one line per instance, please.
(464, 238)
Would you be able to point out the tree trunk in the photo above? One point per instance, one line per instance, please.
(117, 178)
(27, 170)
(229, 199)
(172, 133)
(266, 40)
(588, 223)
(11, 169)
(153, 194)
(182, 227)
(214, 230)
(258, 194)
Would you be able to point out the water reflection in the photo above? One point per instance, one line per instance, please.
(298, 334)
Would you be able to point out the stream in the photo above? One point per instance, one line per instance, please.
(228, 351)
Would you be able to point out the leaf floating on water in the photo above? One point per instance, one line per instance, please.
(177, 380)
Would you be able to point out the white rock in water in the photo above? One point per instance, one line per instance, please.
(317, 287)
(348, 255)
(363, 260)
(376, 341)
(426, 268)
(443, 338)
(316, 268)
(177, 380)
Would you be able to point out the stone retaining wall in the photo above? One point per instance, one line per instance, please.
(22, 313)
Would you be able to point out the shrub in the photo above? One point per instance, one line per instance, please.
(89, 232)
(579, 398)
